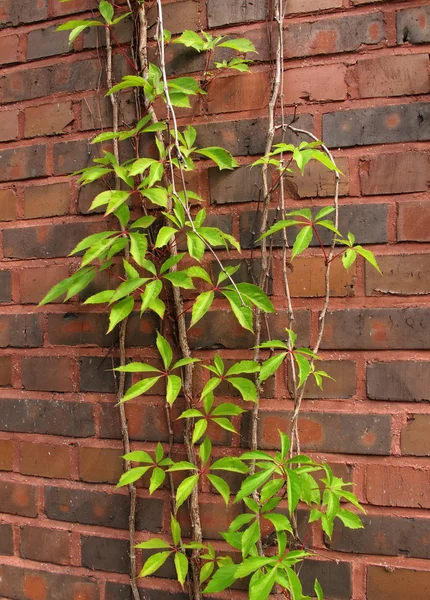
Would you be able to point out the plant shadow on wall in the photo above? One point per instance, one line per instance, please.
(158, 251)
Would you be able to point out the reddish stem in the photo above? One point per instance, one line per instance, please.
(320, 241)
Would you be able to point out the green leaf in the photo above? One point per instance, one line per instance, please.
(246, 388)
(153, 544)
(277, 227)
(224, 423)
(304, 368)
(183, 362)
(222, 158)
(165, 350)
(138, 456)
(185, 489)
(143, 222)
(73, 24)
(152, 290)
(294, 489)
(196, 247)
(131, 476)
(157, 479)
(249, 565)
(200, 273)
(91, 240)
(137, 367)
(280, 522)
(270, 489)
(369, 256)
(171, 262)
(126, 288)
(243, 366)
(191, 413)
(350, 519)
(327, 210)
(260, 589)
(138, 247)
(201, 306)
(230, 463)
(205, 450)
(140, 388)
(190, 39)
(156, 195)
(285, 444)
(140, 165)
(240, 521)
(242, 313)
(182, 465)
(96, 251)
(303, 239)
(271, 365)
(325, 160)
(175, 528)
(164, 236)
(227, 409)
(318, 590)
(199, 429)
(179, 99)
(174, 385)
(328, 225)
(107, 11)
(250, 537)
(240, 44)
(224, 577)
(221, 486)
(295, 585)
(181, 566)
(206, 571)
(153, 563)
(185, 85)
(348, 258)
(120, 311)
(180, 279)
(253, 482)
(211, 385)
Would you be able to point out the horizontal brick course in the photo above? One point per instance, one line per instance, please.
(23, 163)
(18, 499)
(398, 486)
(403, 274)
(413, 25)
(407, 381)
(21, 331)
(414, 438)
(44, 460)
(398, 173)
(396, 584)
(45, 545)
(47, 373)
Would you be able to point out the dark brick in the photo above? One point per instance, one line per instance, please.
(74, 6)
(343, 386)
(398, 173)
(48, 119)
(18, 499)
(9, 49)
(94, 37)
(47, 42)
(413, 224)
(328, 36)
(415, 439)
(397, 584)
(72, 156)
(380, 125)
(369, 224)
(404, 381)
(141, 330)
(54, 417)
(16, 12)
(47, 373)
(23, 584)
(5, 370)
(335, 578)
(36, 282)
(413, 25)
(99, 508)
(378, 328)
(327, 432)
(384, 535)
(46, 81)
(46, 545)
(6, 540)
(23, 163)
(97, 112)
(97, 375)
(5, 286)
(46, 241)
(241, 185)
(79, 329)
(404, 274)
(220, 329)
(21, 331)
(224, 12)
(105, 554)
(247, 137)
(119, 591)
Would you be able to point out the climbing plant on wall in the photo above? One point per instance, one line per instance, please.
(154, 246)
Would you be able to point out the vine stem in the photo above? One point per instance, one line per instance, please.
(122, 351)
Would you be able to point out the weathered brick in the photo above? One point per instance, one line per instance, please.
(307, 278)
(394, 173)
(48, 119)
(47, 373)
(73, 6)
(99, 508)
(5, 370)
(343, 386)
(34, 283)
(44, 460)
(46, 200)
(177, 16)
(224, 12)
(318, 181)
(241, 185)
(369, 224)
(53, 417)
(312, 84)
(387, 485)
(47, 41)
(335, 578)
(79, 329)
(71, 156)
(239, 92)
(403, 381)
(384, 535)
(96, 374)
(9, 49)
(413, 223)
(105, 554)
(7, 205)
(16, 12)
(413, 25)
(379, 328)
(402, 75)
(397, 584)
(100, 465)
(141, 330)
(414, 439)
(328, 36)
(18, 499)
(26, 584)
(46, 81)
(379, 125)
(311, 6)
(96, 111)
(8, 125)
(6, 455)
(45, 545)
(119, 591)
(23, 163)
(6, 540)
(406, 275)
(46, 241)
(21, 331)
(327, 432)
(5, 286)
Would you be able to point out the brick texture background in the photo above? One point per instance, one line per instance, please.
(358, 71)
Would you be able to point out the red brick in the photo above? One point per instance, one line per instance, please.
(413, 25)
(5, 370)
(47, 373)
(239, 92)
(8, 125)
(6, 540)
(311, 6)
(343, 386)
(96, 111)
(415, 439)
(398, 486)
(18, 499)
(35, 282)
(44, 460)
(23, 163)
(224, 12)
(403, 381)
(5, 286)
(73, 6)
(19, 11)
(45, 545)
(100, 465)
(47, 119)
(6, 455)
(47, 200)
(391, 76)
(394, 173)
(414, 222)
(47, 42)
(315, 84)
(307, 278)
(7, 205)
(397, 584)
(405, 275)
(21, 331)
(177, 16)
(9, 49)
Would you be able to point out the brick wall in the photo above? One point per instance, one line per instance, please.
(359, 73)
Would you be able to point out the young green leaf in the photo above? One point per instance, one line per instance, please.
(120, 311)
(153, 563)
(140, 388)
(153, 544)
(240, 44)
(165, 350)
(201, 306)
(271, 365)
(181, 566)
(185, 489)
(199, 430)
(131, 476)
(318, 590)
(174, 385)
(106, 10)
(246, 388)
(303, 240)
(221, 486)
(350, 519)
(138, 247)
(157, 479)
(222, 158)
(250, 537)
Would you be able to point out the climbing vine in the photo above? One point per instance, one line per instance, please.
(158, 238)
